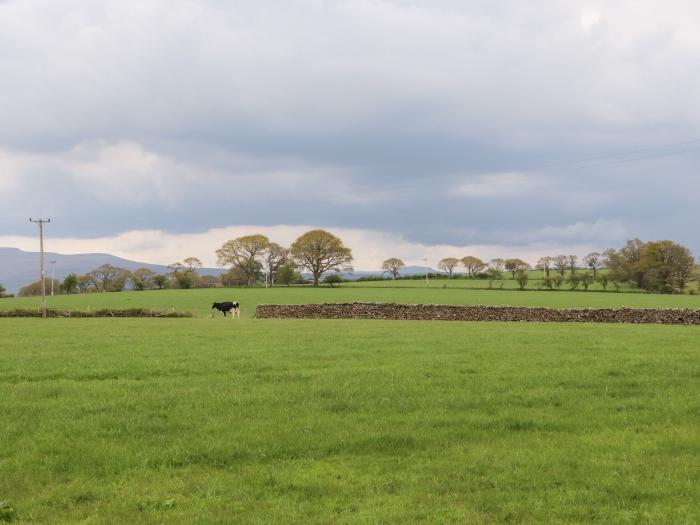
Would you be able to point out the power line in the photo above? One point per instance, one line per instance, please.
(584, 163)
(41, 223)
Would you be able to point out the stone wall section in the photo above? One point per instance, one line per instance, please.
(438, 312)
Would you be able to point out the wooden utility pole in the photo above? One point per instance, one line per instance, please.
(41, 223)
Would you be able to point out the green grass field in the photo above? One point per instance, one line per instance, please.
(269, 421)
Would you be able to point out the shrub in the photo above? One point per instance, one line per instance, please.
(333, 279)
(521, 277)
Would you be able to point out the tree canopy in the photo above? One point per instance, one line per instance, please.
(319, 251)
(244, 253)
(393, 266)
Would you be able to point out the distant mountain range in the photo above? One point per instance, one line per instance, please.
(19, 268)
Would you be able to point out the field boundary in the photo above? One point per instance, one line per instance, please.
(104, 312)
(440, 312)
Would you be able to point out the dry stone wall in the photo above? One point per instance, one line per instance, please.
(439, 312)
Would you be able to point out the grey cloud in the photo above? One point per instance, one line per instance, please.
(353, 114)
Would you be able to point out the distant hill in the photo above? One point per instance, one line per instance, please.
(19, 268)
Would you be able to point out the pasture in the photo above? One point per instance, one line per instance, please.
(270, 421)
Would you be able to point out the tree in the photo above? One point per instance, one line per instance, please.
(160, 281)
(624, 263)
(273, 257)
(448, 265)
(70, 283)
(142, 279)
(560, 263)
(85, 283)
(493, 274)
(574, 280)
(287, 274)
(184, 276)
(333, 279)
(515, 265)
(34, 288)
(319, 251)
(586, 279)
(521, 277)
(208, 281)
(235, 277)
(558, 280)
(2, 291)
(108, 278)
(393, 266)
(548, 282)
(244, 253)
(473, 265)
(192, 263)
(666, 266)
(572, 260)
(604, 280)
(656, 266)
(498, 264)
(544, 264)
(594, 260)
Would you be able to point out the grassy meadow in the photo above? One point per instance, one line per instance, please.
(280, 421)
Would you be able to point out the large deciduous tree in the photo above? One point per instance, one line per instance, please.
(244, 253)
(108, 278)
(594, 261)
(393, 266)
(448, 265)
(516, 265)
(473, 265)
(273, 257)
(498, 264)
(319, 251)
(545, 265)
(142, 279)
(662, 266)
(561, 263)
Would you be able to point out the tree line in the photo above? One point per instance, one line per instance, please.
(660, 266)
(250, 259)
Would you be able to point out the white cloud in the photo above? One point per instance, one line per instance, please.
(370, 247)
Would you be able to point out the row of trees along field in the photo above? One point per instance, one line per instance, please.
(660, 266)
(251, 259)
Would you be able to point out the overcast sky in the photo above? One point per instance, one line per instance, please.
(155, 130)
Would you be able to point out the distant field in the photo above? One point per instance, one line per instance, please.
(270, 421)
(199, 301)
(506, 283)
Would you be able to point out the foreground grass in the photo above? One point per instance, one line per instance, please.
(206, 421)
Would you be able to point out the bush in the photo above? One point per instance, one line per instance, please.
(333, 279)
(368, 278)
(521, 277)
(34, 289)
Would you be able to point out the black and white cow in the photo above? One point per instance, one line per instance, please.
(225, 308)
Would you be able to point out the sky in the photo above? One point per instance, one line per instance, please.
(417, 129)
